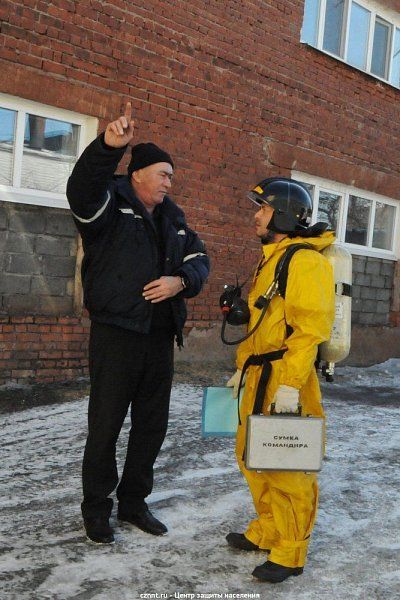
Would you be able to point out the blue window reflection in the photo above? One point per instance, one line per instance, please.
(395, 76)
(379, 49)
(7, 140)
(42, 133)
(358, 36)
(333, 26)
(7, 126)
(309, 31)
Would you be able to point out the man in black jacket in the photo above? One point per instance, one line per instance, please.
(140, 261)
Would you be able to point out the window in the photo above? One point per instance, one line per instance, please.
(363, 221)
(328, 208)
(380, 48)
(358, 36)
(385, 215)
(358, 216)
(395, 75)
(333, 26)
(359, 33)
(7, 137)
(39, 146)
(310, 24)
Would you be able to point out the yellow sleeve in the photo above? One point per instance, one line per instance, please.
(310, 311)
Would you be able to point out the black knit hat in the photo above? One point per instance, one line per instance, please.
(147, 154)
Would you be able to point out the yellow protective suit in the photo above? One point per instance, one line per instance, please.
(286, 502)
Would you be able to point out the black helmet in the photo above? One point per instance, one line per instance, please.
(290, 200)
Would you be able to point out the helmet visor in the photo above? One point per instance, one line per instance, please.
(256, 198)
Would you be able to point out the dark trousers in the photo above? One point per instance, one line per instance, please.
(127, 369)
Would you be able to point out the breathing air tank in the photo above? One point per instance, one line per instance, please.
(338, 346)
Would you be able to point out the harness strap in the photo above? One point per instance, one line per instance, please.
(263, 360)
(282, 267)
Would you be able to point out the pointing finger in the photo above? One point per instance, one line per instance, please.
(128, 111)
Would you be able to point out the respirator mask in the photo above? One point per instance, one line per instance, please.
(233, 307)
(236, 311)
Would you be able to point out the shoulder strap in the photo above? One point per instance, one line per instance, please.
(282, 267)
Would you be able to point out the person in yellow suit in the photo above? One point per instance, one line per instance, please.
(292, 328)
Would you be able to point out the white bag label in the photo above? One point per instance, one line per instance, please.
(276, 443)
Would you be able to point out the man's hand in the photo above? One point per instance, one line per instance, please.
(120, 132)
(286, 399)
(163, 288)
(234, 382)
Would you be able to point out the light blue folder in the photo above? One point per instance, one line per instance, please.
(220, 412)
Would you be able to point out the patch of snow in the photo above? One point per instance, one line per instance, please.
(201, 495)
(383, 374)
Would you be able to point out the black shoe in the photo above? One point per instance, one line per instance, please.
(274, 573)
(240, 541)
(144, 520)
(98, 530)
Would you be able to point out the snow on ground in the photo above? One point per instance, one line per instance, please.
(383, 374)
(201, 496)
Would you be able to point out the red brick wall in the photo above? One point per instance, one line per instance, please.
(226, 87)
(42, 349)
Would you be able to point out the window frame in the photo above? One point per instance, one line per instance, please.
(396, 29)
(368, 50)
(378, 12)
(343, 31)
(389, 47)
(345, 191)
(15, 193)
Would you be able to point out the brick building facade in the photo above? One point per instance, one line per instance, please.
(232, 91)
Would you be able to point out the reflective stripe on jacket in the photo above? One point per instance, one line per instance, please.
(120, 244)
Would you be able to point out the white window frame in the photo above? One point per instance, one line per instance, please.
(377, 11)
(88, 131)
(345, 191)
(391, 54)
(389, 48)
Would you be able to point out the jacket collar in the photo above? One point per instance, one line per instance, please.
(167, 208)
(318, 243)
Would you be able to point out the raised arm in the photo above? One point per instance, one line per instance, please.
(88, 186)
